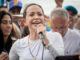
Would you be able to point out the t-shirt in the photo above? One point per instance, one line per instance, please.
(21, 50)
(71, 42)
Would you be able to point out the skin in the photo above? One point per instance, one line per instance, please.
(15, 11)
(22, 24)
(35, 22)
(59, 3)
(4, 9)
(59, 24)
(6, 25)
(4, 56)
(17, 20)
(72, 20)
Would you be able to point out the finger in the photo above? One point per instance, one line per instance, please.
(4, 55)
(41, 29)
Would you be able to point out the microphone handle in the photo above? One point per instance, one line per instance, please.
(42, 38)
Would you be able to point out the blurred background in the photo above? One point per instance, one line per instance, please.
(47, 5)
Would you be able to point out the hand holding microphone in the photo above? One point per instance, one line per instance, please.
(41, 30)
(41, 38)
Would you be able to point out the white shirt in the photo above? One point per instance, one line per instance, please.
(71, 42)
(77, 30)
(20, 49)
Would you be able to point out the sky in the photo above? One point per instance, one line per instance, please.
(49, 5)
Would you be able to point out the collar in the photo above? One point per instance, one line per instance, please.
(67, 33)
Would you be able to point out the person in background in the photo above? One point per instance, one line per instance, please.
(77, 26)
(79, 15)
(31, 46)
(73, 15)
(60, 23)
(5, 34)
(15, 8)
(20, 22)
(3, 8)
(59, 3)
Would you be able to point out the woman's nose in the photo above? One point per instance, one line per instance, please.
(36, 16)
(8, 25)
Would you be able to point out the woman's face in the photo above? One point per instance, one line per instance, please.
(34, 17)
(6, 25)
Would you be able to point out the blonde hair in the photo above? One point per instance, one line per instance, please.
(16, 33)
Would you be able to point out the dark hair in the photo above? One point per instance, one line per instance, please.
(25, 31)
(2, 13)
(24, 14)
(8, 45)
(15, 9)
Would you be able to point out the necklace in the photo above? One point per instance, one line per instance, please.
(31, 51)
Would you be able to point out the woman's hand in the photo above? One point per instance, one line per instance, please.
(42, 28)
(4, 56)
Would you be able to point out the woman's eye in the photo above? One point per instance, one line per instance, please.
(10, 22)
(4, 22)
(32, 14)
(40, 14)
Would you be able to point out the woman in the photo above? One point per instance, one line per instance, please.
(30, 47)
(5, 34)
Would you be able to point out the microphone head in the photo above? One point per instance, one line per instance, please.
(40, 33)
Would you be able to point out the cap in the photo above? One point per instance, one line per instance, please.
(69, 7)
(15, 4)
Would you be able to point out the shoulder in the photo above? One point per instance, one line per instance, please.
(21, 42)
(54, 34)
(55, 37)
(74, 34)
(56, 40)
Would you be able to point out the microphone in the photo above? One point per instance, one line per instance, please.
(42, 38)
(41, 35)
